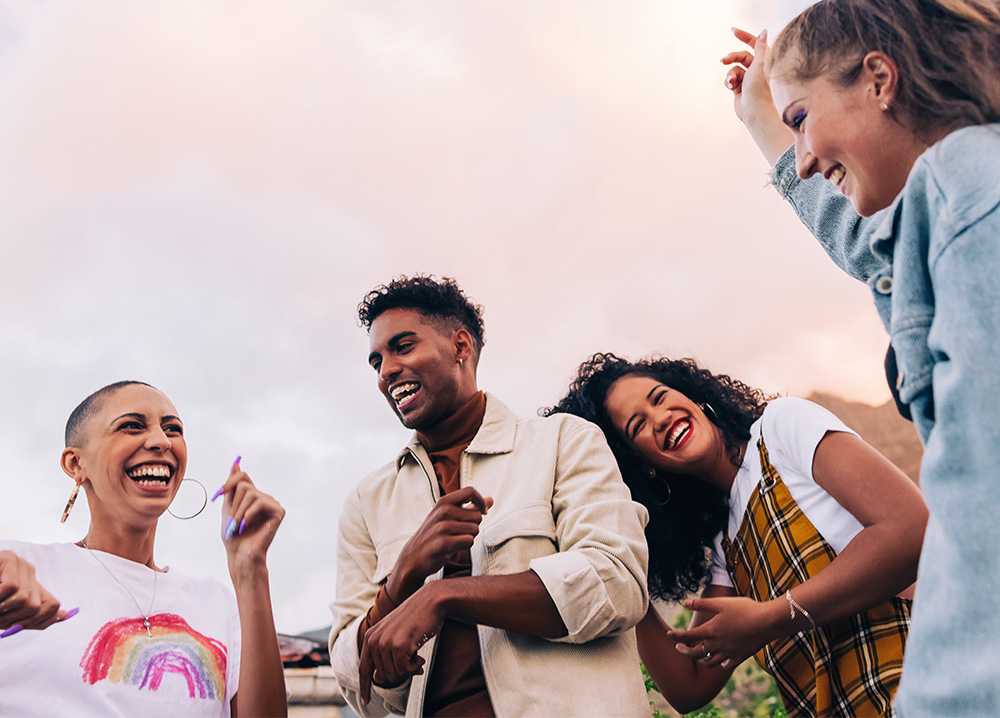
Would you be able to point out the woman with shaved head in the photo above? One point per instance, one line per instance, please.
(97, 627)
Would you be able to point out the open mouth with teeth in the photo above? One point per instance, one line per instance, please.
(403, 394)
(151, 475)
(837, 176)
(678, 434)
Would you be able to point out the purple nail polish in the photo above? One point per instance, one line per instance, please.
(70, 613)
(16, 628)
(218, 493)
(243, 525)
(230, 528)
(237, 462)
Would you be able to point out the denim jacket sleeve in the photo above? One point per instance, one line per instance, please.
(829, 215)
(597, 580)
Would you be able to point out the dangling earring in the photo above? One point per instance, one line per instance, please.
(203, 503)
(69, 504)
(709, 412)
(460, 362)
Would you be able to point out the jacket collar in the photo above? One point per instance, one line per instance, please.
(495, 436)
(884, 236)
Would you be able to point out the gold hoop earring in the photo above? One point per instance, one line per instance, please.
(69, 504)
(203, 503)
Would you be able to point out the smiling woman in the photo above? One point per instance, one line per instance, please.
(143, 639)
(801, 535)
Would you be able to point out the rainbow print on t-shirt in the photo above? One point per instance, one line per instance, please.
(122, 652)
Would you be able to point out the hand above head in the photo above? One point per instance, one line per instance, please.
(752, 99)
(250, 519)
(737, 629)
(24, 602)
(450, 527)
(389, 651)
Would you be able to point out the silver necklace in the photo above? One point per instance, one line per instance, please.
(145, 616)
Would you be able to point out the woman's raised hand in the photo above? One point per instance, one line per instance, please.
(24, 603)
(250, 519)
(752, 99)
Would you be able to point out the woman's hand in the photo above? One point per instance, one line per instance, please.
(250, 519)
(752, 99)
(23, 601)
(737, 629)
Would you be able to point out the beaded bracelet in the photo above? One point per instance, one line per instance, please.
(793, 606)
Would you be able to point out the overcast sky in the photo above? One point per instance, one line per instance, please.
(197, 195)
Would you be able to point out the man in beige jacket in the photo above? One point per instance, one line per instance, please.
(526, 521)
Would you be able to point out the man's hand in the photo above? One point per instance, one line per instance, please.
(389, 652)
(450, 527)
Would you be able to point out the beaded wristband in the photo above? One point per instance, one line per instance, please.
(793, 606)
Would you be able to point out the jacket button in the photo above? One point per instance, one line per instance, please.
(883, 285)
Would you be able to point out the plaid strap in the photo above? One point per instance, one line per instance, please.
(850, 667)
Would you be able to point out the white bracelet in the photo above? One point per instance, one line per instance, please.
(793, 606)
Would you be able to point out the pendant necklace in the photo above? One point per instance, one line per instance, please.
(145, 616)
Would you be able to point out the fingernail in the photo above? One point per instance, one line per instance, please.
(70, 613)
(16, 628)
(730, 84)
(230, 528)
(763, 36)
(219, 493)
(243, 525)
(236, 464)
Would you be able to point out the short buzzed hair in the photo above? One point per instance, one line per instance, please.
(90, 406)
(442, 301)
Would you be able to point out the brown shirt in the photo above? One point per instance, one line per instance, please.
(456, 686)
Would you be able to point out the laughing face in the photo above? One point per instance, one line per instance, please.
(668, 430)
(133, 455)
(418, 369)
(847, 134)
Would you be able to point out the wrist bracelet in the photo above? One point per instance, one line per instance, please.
(793, 606)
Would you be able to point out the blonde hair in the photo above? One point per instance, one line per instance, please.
(947, 52)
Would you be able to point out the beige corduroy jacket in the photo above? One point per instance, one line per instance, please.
(561, 510)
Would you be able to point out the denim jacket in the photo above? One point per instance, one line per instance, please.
(561, 510)
(932, 262)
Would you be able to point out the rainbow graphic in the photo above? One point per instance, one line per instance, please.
(123, 652)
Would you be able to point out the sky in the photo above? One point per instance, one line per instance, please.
(198, 194)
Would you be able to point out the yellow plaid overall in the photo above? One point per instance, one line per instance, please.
(850, 667)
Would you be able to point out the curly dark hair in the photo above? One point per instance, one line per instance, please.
(682, 529)
(442, 301)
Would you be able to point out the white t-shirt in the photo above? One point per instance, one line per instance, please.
(102, 662)
(793, 429)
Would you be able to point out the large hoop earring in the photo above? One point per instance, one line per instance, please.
(203, 503)
(709, 412)
(657, 487)
(69, 504)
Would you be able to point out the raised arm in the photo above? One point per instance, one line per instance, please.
(878, 563)
(250, 519)
(827, 213)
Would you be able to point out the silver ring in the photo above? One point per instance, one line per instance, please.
(708, 654)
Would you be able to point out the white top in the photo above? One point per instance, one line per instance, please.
(793, 429)
(102, 662)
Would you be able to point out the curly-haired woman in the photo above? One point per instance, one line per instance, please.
(804, 537)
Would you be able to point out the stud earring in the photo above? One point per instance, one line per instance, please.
(69, 504)
(884, 106)
(460, 362)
